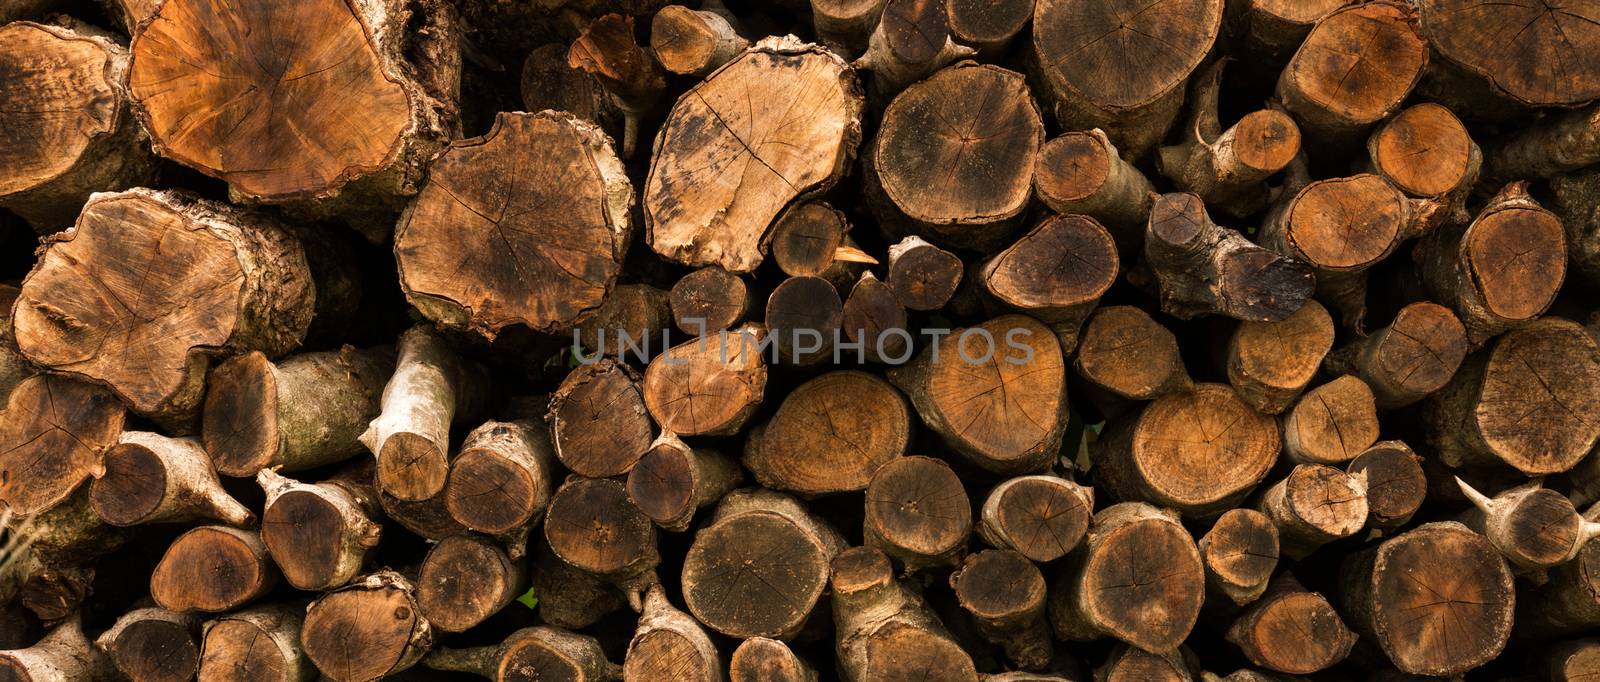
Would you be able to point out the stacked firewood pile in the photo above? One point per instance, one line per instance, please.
(852, 339)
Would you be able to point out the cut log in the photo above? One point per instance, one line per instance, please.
(1331, 423)
(1128, 355)
(319, 534)
(759, 567)
(196, 277)
(1040, 517)
(1131, 664)
(1240, 553)
(1056, 273)
(1199, 452)
(917, 512)
(1292, 631)
(1270, 363)
(1354, 69)
(1501, 270)
(957, 174)
(53, 436)
(1139, 580)
(150, 478)
(368, 629)
(806, 238)
(598, 422)
(708, 386)
(710, 198)
(1525, 402)
(846, 26)
(803, 316)
(568, 597)
(759, 659)
(429, 518)
(1272, 29)
(673, 481)
(63, 655)
(987, 26)
(994, 392)
(1199, 268)
(911, 41)
(1411, 358)
(1005, 594)
(1315, 505)
(1572, 661)
(709, 300)
(630, 73)
(431, 388)
(1535, 528)
(885, 631)
(535, 653)
(213, 569)
(1561, 143)
(1413, 593)
(153, 645)
(639, 311)
(1426, 152)
(298, 413)
(371, 94)
(257, 644)
(501, 482)
(548, 82)
(669, 645)
(830, 435)
(1396, 484)
(921, 275)
(693, 43)
(1227, 167)
(1569, 602)
(874, 323)
(1121, 65)
(485, 246)
(592, 525)
(464, 580)
(1472, 35)
(69, 127)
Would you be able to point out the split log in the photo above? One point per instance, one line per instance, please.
(1523, 402)
(803, 316)
(53, 436)
(1040, 517)
(298, 413)
(1126, 354)
(673, 481)
(536, 653)
(911, 41)
(917, 512)
(372, 94)
(592, 525)
(69, 127)
(150, 478)
(708, 386)
(599, 426)
(1396, 484)
(1569, 601)
(1139, 580)
(830, 435)
(1354, 69)
(1576, 199)
(923, 276)
(1199, 452)
(153, 645)
(212, 569)
(709, 300)
(1270, 363)
(1535, 528)
(846, 26)
(1426, 152)
(1471, 37)
(987, 26)
(1272, 29)
(1292, 631)
(319, 534)
(464, 580)
(1005, 594)
(1411, 358)
(1227, 167)
(368, 629)
(630, 73)
(568, 597)
(484, 247)
(1501, 270)
(431, 388)
(1315, 505)
(257, 644)
(669, 645)
(63, 655)
(759, 659)
(883, 630)
(956, 174)
(1056, 273)
(1412, 594)
(1240, 553)
(693, 42)
(1331, 423)
(759, 567)
(874, 323)
(501, 482)
(1131, 664)
(994, 392)
(1199, 268)
(698, 217)
(548, 82)
(636, 312)
(1133, 93)
(196, 277)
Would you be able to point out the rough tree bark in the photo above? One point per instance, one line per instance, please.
(534, 653)
(150, 478)
(1227, 167)
(1199, 268)
(1240, 553)
(1314, 505)
(673, 481)
(63, 655)
(464, 580)
(368, 629)
(262, 643)
(708, 386)
(830, 435)
(431, 388)
(1412, 357)
(1005, 595)
(670, 645)
(53, 436)
(1353, 70)
(1576, 199)
(599, 426)
(917, 512)
(153, 644)
(1056, 273)
(1270, 363)
(213, 569)
(592, 525)
(319, 534)
(882, 629)
(1292, 630)
(1040, 517)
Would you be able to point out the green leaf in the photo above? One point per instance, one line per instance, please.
(529, 599)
